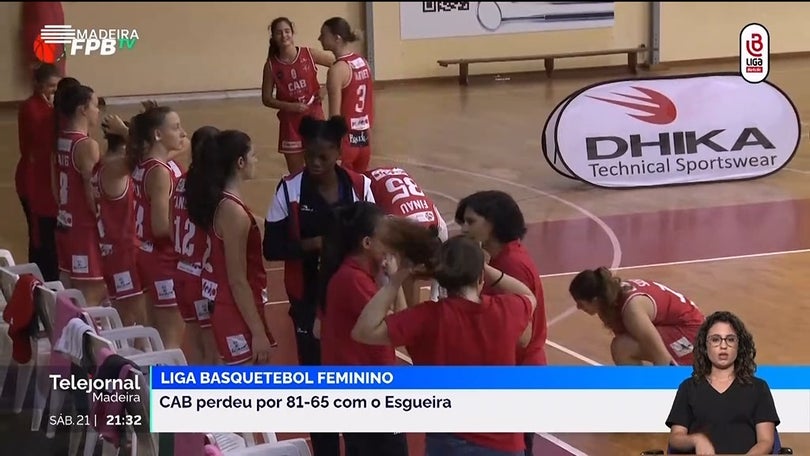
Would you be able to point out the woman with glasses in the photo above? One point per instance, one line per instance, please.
(723, 408)
(650, 321)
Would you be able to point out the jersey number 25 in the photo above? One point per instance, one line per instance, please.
(402, 188)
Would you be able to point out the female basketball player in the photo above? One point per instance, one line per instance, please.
(235, 283)
(153, 133)
(76, 156)
(723, 408)
(650, 321)
(351, 260)
(350, 89)
(465, 328)
(113, 190)
(296, 222)
(400, 196)
(193, 245)
(292, 71)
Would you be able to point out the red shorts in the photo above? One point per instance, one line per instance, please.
(157, 271)
(193, 307)
(233, 337)
(680, 343)
(355, 151)
(121, 272)
(289, 140)
(79, 253)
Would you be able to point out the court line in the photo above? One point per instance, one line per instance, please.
(800, 171)
(572, 353)
(684, 262)
(565, 446)
(614, 240)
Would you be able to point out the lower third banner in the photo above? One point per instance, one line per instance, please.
(437, 399)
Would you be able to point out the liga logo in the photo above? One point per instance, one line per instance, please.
(755, 52)
(55, 41)
(672, 130)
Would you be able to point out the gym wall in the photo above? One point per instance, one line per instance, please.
(192, 47)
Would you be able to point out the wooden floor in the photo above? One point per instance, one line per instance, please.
(743, 246)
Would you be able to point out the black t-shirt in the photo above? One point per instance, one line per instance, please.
(728, 419)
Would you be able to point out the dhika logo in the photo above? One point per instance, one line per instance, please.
(674, 130)
(659, 108)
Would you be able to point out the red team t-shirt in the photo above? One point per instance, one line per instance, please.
(357, 107)
(193, 246)
(77, 236)
(296, 82)
(515, 261)
(117, 240)
(677, 318)
(231, 332)
(456, 332)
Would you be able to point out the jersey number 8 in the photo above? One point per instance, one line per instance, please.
(402, 188)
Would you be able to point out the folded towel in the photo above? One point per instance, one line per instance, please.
(70, 343)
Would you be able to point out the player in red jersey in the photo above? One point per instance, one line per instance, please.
(650, 321)
(115, 196)
(236, 282)
(399, 195)
(76, 155)
(292, 71)
(152, 135)
(193, 246)
(350, 88)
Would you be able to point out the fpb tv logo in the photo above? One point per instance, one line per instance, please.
(48, 47)
(755, 53)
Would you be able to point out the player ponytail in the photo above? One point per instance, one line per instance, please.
(349, 226)
(599, 284)
(63, 85)
(213, 166)
(602, 286)
(72, 98)
(339, 26)
(418, 244)
(115, 142)
(273, 49)
(330, 131)
(459, 265)
(142, 133)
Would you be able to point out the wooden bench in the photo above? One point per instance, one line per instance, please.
(464, 64)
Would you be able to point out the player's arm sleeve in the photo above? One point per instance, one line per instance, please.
(277, 244)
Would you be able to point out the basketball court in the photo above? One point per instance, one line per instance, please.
(729, 246)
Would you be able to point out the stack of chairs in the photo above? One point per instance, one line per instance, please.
(107, 336)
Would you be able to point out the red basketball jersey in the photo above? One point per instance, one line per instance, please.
(397, 194)
(143, 208)
(215, 281)
(671, 307)
(191, 243)
(74, 209)
(296, 82)
(116, 225)
(357, 99)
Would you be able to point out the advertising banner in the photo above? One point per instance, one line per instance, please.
(672, 131)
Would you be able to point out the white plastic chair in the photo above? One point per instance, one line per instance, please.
(6, 258)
